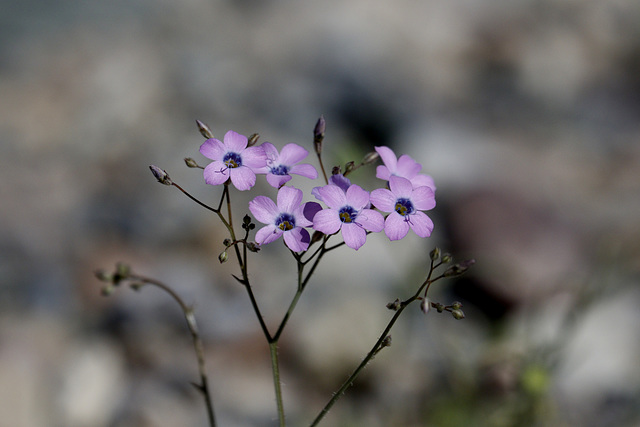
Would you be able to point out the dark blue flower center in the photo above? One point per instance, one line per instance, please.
(348, 214)
(280, 170)
(404, 207)
(285, 222)
(232, 160)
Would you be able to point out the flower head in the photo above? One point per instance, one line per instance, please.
(286, 218)
(232, 159)
(347, 211)
(406, 205)
(280, 166)
(337, 179)
(404, 167)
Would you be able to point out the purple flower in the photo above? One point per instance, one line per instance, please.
(286, 218)
(232, 159)
(404, 167)
(337, 179)
(348, 211)
(280, 166)
(405, 204)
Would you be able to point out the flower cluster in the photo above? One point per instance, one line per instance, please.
(350, 209)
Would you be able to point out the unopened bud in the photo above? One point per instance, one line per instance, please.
(456, 305)
(223, 257)
(161, 175)
(246, 220)
(336, 170)
(348, 167)
(457, 314)
(438, 307)
(191, 163)
(226, 242)
(122, 272)
(253, 140)
(458, 269)
(394, 305)
(318, 134)
(103, 276)
(425, 305)
(386, 342)
(370, 158)
(446, 258)
(204, 130)
(107, 290)
(316, 237)
(434, 254)
(136, 286)
(253, 246)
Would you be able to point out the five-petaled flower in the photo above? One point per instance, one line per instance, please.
(232, 159)
(280, 166)
(404, 167)
(405, 204)
(348, 211)
(286, 218)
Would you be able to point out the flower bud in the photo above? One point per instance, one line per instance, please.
(446, 258)
(425, 305)
(161, 175)
(456, 305)
(191, 163)
(349, 167)
(122, 272)
(316, 237)
(103, 276)
(394, 305)
(386, 342)
(370, 158)
(223, 257)
(458, 269)
(434, 254)
(204, 130)
(253, 246)
(336, 170)
(318, 134)
(439, 307)
(136, 286)
(457, 314)
(107, 290)
(253, 140)
(246, 220)
(226, 242)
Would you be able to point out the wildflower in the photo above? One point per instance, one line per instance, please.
(280, 166)
(406, 205)
(287, 218)
(232, 159)
(336, 179)
(348, 211)
(404, 167)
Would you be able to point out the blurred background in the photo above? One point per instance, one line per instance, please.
(526, 113)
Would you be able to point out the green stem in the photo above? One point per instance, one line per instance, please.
(273, 348)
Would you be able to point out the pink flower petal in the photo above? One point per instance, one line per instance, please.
(271, 152)
(383, 172)
(242, 178)
(216, 173)
(356, 197)
(400, 187)
(353, 235)
(305, 170)
(333, 196)
(254, 157)
(268, 234)
(289, 199)
(292, 153)
(395, 226)
(423, 198)
(383, 199)
(213, 149)
(277, 181)
(388, 158)
(327, 221)
(371, 220)
(421, 224)
(264, 210)
(235, 142)
(407, 167)
(297, 239)
(423, 181)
